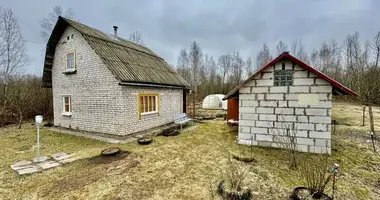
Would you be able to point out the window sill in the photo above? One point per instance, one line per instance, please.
(70, 71)
(149, 113)
(68, 114)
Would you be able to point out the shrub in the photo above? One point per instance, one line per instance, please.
(233, 186)
(316, 174)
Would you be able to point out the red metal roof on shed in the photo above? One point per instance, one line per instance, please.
(334, 83)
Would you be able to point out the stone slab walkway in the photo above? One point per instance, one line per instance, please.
(30, 167)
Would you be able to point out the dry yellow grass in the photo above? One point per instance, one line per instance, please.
(179, 167)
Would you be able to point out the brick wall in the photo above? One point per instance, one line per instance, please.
(99, 104)
(267, 111)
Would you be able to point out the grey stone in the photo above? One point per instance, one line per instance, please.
(29, 170)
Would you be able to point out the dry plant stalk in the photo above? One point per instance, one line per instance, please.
(234, 175)
(316, 174)
(286, 138)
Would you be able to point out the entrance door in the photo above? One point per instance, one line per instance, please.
(184, 102)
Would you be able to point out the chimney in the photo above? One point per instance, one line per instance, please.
(115, 30)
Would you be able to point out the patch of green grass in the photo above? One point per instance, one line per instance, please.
(180, 167)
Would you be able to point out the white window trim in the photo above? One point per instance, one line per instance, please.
(75, 62)
(64, 113)
(151, 112)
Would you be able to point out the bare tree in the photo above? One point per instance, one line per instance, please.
(195, 58)
(213, 73)
(13, 55)
(237, 68)
(353, 51)
(224, 65)
(136, 37)
(327, 58)
(183, 65)
(248, 67)
(299, 51)
(263, 57)
(281, 47)
(19, 95)
(376, 47)
(369, 91)
(47, 23)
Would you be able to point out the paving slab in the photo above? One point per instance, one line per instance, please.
(21, 165)
(29, 170)
(23, 162)
(69, 160)
(58, 155)
(40, 159)
(48, 164)
(63, 157)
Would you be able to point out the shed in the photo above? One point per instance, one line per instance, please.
(214, 101)
(286, 96)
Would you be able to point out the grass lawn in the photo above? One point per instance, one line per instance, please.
(187, 166)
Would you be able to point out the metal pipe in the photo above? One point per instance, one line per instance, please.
(38, 142)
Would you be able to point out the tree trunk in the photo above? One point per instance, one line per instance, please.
(363, 116)
(20, 119)
(193, 93)
(371, 122)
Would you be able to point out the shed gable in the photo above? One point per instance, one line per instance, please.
(296, 65)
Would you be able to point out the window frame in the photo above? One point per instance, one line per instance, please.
(141, 106)
(75, 61)
(288, 73)
(64, 112)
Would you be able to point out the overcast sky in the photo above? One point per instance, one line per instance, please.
(220, 26)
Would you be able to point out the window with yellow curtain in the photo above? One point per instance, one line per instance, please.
(148, 103)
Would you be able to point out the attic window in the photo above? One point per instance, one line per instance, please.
(72, 36)
(68, 37)
(70, 60)
(283, 77)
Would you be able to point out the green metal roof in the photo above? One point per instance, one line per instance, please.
(128, 61)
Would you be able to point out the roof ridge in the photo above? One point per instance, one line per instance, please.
(70, 20)
(287, 55)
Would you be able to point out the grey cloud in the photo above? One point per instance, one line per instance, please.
(220, 26)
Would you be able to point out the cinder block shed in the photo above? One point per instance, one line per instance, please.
(286, 95)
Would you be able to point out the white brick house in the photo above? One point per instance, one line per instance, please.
(105, 84)
(287, 95)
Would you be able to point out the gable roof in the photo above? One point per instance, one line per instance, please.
(130, 63)
(338, 88)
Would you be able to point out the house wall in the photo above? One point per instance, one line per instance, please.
(267, 111)
(99, 104)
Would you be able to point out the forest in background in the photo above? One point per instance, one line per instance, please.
(353, 62)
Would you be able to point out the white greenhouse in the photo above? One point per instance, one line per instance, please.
(214, 101)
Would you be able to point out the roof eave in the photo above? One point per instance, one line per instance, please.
(335, 84)
(125, 83)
